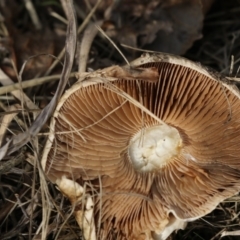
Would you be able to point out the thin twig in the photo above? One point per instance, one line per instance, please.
(111, 41)
(30, 83)
(80, 29)
(7, 119)
(8, 165)
(5, 80)
(59, 17)
(33, 14)
(88, 37)
(230, 233)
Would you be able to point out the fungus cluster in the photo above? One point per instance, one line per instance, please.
(145, 148)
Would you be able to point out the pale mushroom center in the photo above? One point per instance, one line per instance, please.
(153, 147)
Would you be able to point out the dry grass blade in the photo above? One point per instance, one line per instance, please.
(5, 167)
(18, 141)
(17, 93)
(7, 119)
(232, 233)
(80, 29)
(30, 83)
(33, 14)
(114, 45)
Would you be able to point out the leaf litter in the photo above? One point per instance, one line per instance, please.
(31, 207)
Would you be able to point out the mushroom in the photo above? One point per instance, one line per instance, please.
(144, 149)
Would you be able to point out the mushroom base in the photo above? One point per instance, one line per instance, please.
(153, 147)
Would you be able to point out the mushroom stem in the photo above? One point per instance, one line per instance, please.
(153, 147)
(173, 225)
(83, 214)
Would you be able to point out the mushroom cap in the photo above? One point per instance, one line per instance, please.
(149, 141)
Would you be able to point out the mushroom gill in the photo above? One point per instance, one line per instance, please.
(144, 171)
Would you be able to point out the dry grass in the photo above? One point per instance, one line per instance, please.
(24, 193)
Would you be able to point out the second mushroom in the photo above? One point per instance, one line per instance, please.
(145, 148)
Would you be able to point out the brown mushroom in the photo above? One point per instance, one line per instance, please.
(148, 147)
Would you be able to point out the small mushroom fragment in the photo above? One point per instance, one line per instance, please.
(146, 147)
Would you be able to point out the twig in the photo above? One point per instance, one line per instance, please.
(8, 165)
(30, 83)
(5, 80)
(215, 236)
(20, 205)
(234, 79)
(112, 42)
(7, 119)
(88, 37)
(230, 233)
(33, 14)
(80, 29)
(87, 19)
(58, 16)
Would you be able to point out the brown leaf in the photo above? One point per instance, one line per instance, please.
(168, 26)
